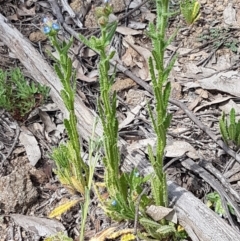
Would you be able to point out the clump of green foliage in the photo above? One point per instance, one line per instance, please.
(19, 96)
(125, 190)
(122, 188)
(230, 129)
(214, 201)
(190, 10)
(220, 36)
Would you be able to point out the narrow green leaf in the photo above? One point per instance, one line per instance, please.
(152, 119)
(69, 70)
(166, 230)
(152, 71)
(85, 40)
(146, 222)
(166, 94)
(169, 68)
(223, 128)
(67, 46)
(111, 31)
(59, 73)
(67, 125)
(66, 100)
(167, 121)
(232, 131)
(232, 116)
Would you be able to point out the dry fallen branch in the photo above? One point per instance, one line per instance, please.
(201, 223)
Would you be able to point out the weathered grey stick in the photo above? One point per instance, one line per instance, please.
(201, 223)
(192, 213)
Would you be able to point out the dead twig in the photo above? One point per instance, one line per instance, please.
(145, 190)
(208, 166)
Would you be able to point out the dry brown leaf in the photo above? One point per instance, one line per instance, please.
(176, 91)
(194, 103)
(127, 31)
(101, 236)
(37, 36)
(222, 62)
(13, 17)
(137, 25)
(31, 145)
(49, 107)
(142, 144)
(40, 226)
(131, 115)
(179, 148)
(157, 213)
(137, 58)
(85, 78)
(229, 14)
(218, 100)
(80, 72)
(227, 82)
(122, 84)
(134, 97)
(127, 58)
(192, 69)
(179, 130)
(148, 15)
(49, 125)
(202, 95)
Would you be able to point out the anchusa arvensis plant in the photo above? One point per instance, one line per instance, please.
(71, 169)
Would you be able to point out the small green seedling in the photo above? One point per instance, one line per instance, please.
(18, 96)
(232, 44)
(214, 200)
(58, 237)
(220, 37)
(230, 129)
(190, 9)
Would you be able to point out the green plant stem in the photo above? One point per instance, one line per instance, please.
(67, 77)
(110, 123)
(159, 43)
(92, 164)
